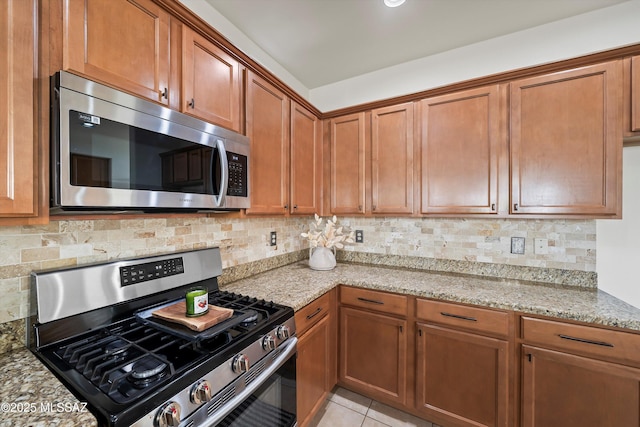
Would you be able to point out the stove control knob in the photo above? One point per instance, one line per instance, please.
(240, 364)
(283, 332)
(168, 415)
(268, 343)
(201, 392)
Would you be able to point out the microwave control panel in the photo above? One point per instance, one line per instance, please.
(238, 175)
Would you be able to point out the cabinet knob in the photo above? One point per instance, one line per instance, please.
(373, 207)
(359, 208)
(295, 206)
(164, 93)
(192, 103)
(286, 206)
(515, 206)
(493, 206)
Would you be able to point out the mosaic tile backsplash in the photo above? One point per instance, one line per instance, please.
(571, 244)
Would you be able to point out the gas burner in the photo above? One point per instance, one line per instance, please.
(146, 371)
(250, 319)
(116, 347)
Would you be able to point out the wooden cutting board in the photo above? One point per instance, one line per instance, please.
(177, 313)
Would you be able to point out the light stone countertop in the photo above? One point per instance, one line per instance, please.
(25, 381)
(297, 285)
(31, 396)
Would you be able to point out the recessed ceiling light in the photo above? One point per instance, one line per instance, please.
(393, 3)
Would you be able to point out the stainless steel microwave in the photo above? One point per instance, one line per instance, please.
(113, 151)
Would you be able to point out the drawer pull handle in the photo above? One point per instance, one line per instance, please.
(457, 316)
(582, 340)
(371, 301)
(314, 314)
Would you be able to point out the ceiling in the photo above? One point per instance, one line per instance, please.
(324, 41)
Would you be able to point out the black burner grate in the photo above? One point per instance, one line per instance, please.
(128, 360)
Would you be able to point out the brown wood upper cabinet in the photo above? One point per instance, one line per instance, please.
(347, 164)
(267, 115)
(635, 94)
(306, 161)
(463, 138)
(566, 142)
(372, 162)
(18, 110)
(392, 156)
(124, 43)
(286, 148)
(211, 81)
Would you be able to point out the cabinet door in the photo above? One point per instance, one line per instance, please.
(18, 124)
(635, 94)
(462, 378)
(462, 141)
(373, 354)
(211, 82)
(392, 175)
(313, 380)
(562, 390)
(566, 142)
(268, 130)
(348, 164)
(306, 161)
(124, 43)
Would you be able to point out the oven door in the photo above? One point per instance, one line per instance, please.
(269, 400)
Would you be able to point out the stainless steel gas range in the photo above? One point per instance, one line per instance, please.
(93, 330)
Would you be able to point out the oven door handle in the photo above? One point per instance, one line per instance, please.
(227, 408)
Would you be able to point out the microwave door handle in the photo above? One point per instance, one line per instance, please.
(224, 178)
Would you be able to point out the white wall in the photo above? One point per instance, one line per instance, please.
(618, 241)
(603, 29)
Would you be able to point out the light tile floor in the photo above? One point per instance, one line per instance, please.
(344, 408)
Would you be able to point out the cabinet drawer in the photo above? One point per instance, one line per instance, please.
(622, 346)
(374, 300)
(311, 313)
(477, 319)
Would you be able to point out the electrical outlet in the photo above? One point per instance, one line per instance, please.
(274, 238)
(541, 246)
(517, 245)
(359, 236)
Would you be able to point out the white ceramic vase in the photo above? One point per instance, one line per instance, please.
(322, 258)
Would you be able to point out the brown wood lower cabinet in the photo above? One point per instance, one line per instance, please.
(313, 360)
(316, 362)
(373, 354)
(563, 390)
(461, 378)
(461, 361)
